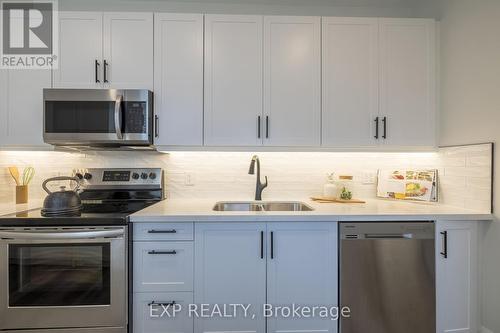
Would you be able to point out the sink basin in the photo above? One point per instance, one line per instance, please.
(264, 206)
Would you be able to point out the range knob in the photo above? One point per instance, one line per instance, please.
(87, 176)
(152, 175)
(144, 176)
(79, 175)
(135, 176)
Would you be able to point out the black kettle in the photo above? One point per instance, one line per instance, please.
(62, 203)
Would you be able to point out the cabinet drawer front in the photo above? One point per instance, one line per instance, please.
(163, 266)
(163, 231)
(149, 319)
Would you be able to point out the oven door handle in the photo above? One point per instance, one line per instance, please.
(61, 235)
(118, 117)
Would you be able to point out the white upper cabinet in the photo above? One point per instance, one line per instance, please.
(111, 50)
(178, 82)
(292, 80)
(233, 80)
(350, 81)
(4, 92)
(128, 50)
(80, 50)
(21, 109)
(302, 269)
(457, 277)
(408, 82)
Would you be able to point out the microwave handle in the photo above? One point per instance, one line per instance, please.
(118, 118)
(61, 235)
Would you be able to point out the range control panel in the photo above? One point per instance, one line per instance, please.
(119, 177)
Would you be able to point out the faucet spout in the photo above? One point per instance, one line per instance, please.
(259, 187)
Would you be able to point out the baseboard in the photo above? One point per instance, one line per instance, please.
(485, 330)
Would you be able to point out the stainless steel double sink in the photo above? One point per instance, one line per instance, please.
(264, 206)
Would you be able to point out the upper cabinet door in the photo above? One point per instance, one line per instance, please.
(456, 276)
(350, 81)
(292, 81)
(302, 269)
(408, 82)
(4, 92)
(80, 50)
(233, 80)
(24, 112)
(230, 268)
(179, 79)
(128, 50)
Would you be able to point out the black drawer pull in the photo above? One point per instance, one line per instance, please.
(445, 244)
(272, 245)
(173, 231)
(106, 64)
(162, 303)
(162, 252)
(97, 65)
(262, 245)
(384, 120)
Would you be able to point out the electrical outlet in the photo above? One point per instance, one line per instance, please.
(369, 178)
(189, 179)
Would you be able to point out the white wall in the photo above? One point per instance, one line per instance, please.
(470, 84)
(388, 8)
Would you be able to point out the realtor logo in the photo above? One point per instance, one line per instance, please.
(29, 31)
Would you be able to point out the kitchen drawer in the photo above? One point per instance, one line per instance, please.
(163, 231)
(163, 266)
(145, 323)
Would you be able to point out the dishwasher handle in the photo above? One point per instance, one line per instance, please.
(388, 236)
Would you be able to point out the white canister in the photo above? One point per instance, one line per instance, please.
(330, 189)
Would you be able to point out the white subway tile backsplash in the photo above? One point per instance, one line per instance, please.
(224, 175)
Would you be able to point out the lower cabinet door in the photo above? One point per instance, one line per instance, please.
(456, 276)
(162, 313)
(230, 270)
(302, 271)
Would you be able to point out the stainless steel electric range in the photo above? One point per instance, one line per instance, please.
(69, 274)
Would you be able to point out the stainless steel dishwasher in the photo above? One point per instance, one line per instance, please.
(387, 277)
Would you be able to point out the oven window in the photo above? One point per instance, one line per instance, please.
(59, 274)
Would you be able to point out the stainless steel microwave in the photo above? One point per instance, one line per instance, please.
(98, 117)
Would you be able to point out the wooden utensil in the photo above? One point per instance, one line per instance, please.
(28, 175)
(336, 200)
(14, 172)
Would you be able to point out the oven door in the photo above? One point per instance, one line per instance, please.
(98, 117)
(63, 278)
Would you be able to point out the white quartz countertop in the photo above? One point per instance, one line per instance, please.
(7, 208)
(196, 210)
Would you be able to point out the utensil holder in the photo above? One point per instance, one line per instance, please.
(22, 194)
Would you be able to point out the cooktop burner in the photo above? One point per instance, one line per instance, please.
(109, 196)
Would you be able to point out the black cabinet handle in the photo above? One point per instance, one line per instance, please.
(258, 126)
(162, 252)
(267, 127)
(272, 245)
(106, 71)
(173, 231)
(262, 245)
(162, 303)
(97, 65)
(157, 126)
(385, 128)
(445, 244)
(376, 127)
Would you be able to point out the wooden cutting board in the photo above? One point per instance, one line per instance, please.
(328, 200)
